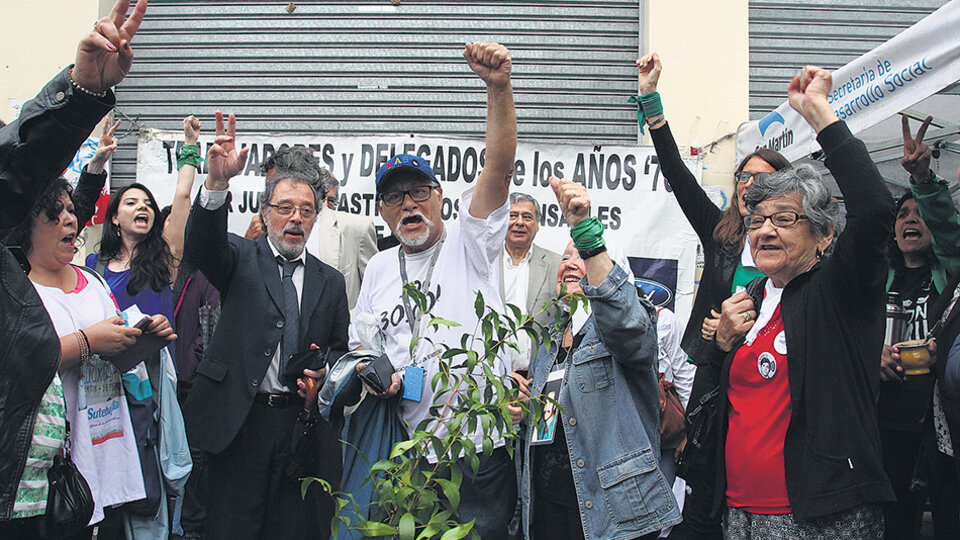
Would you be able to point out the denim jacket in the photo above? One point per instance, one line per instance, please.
(611, 417)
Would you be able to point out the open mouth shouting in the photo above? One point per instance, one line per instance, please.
(69, 240)
(142, 219)
(911, 234)
(412, 221)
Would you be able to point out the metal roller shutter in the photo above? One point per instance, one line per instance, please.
(365, 67)
(785, 36)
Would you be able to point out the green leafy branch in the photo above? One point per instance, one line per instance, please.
(414, 499)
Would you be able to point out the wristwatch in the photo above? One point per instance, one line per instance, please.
(592, 252)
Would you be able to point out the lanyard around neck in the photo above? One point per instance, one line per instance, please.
(414, 316)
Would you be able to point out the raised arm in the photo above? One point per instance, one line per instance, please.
(575, 203)
(859, 259)
(491, 62)
(699, 210)
(175, 227)
(93, 176)
(933, 198)
(206, 245)
(42, 141)
(624, 321)
(939, 213)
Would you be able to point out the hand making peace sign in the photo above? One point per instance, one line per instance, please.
(104, 55)
(916, 153)
(223, 160)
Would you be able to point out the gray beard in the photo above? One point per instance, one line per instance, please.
(415, 241)
(288, 251)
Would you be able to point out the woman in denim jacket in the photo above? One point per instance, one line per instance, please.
(597, 477)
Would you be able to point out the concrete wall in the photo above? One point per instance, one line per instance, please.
(704, 85)
(38, 40)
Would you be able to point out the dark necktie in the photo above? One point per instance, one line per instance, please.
(291, 314)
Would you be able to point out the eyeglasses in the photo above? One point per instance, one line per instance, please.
(285, 209)
(418, 194)
(742, 177)
(779, 219)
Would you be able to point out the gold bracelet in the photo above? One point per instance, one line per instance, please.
(83, 344)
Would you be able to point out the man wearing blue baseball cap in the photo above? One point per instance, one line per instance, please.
(449, 263)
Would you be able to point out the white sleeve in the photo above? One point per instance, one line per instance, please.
(362, 314)
(212, 199)
(673, 360)
(363, 306)
(483, 238)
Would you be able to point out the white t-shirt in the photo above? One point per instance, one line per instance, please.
(467, 263)
(102, 442)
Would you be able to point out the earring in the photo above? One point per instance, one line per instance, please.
(819, 254)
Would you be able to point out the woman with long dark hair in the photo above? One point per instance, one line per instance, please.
(728, 266)
(136, 262)
(134, 254)
(913, 436)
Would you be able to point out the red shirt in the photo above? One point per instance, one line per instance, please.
(759, 398)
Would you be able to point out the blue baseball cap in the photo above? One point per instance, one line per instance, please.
(404, 163)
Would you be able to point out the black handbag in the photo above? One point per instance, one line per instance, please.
(69, 501)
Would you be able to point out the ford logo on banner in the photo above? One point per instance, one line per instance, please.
(657, 293)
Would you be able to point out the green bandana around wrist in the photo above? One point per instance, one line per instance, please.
(588, 234)
(648, 106)
(189, 155)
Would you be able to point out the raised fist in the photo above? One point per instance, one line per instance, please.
(807, 94)
(573, 198)
(490, 61)
(649, 73)
(191, 129)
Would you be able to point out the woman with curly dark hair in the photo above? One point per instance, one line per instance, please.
(84, 316)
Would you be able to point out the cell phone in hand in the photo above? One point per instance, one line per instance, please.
(313, 359)
(377, 374)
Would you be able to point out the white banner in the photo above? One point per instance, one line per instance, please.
(918, 62)
(627, 191)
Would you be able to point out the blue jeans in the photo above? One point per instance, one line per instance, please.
(491, 496)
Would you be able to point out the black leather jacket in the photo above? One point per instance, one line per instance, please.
(34, 150)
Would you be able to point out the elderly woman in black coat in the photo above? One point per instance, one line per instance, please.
(796, 352)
